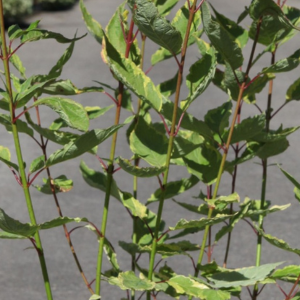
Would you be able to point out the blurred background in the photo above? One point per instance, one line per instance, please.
(20, 274)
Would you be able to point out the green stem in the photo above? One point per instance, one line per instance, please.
(222, 165)
(136, 163)
(170, 144)
(15, 133)
(264, 179)
(110, 171)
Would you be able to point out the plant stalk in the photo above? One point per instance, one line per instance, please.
(170, 144)
(59, 210)
(21, 164)
(136, 163)
(264, 178)
(110, 170)
(222, 165)
(234, 176)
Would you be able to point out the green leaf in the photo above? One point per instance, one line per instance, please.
(82, 144)
(233, 221)
(98, 180)
(136, 208)
(180, 22)
(242, 277)
(137, 171)
(21, 125)
(174, 188)
(200, 75)
(188, 122)
(238, 33)
(59, 222)
(131, 75)
(258, 9)
(94, 297)
(168, 88)
(42, 34)
(128, 280)
(294, 181)
(201, 223)
(60, 184)
(221, 39)
(27, 90)
(149, 144)
(13, 226)
(67, 88)
(154, 26)
(164, 6)
(272, 148)
(56, 136)
(285, 64)
(57, 69)
(288, 273)
(11, 236)
(37, 164)
(165, 250)
(5, 158)
(204, 162)
(108, 248)
(188, 286)
(96, 111)
(92, 25)
(70, 111)
(278, 242)
(115, 35)
(247, 129)
(217, 119)
(293, 92)
(17, 63)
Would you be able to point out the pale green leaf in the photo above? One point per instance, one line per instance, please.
(242, 277)
(70, 111)
(188, 286)
(92, 25)
(293, 92)
(11, 236)
(5, 158)
(128, 280)
(278, 242)
(131, 76)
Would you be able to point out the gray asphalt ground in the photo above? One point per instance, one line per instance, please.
(20, 274)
